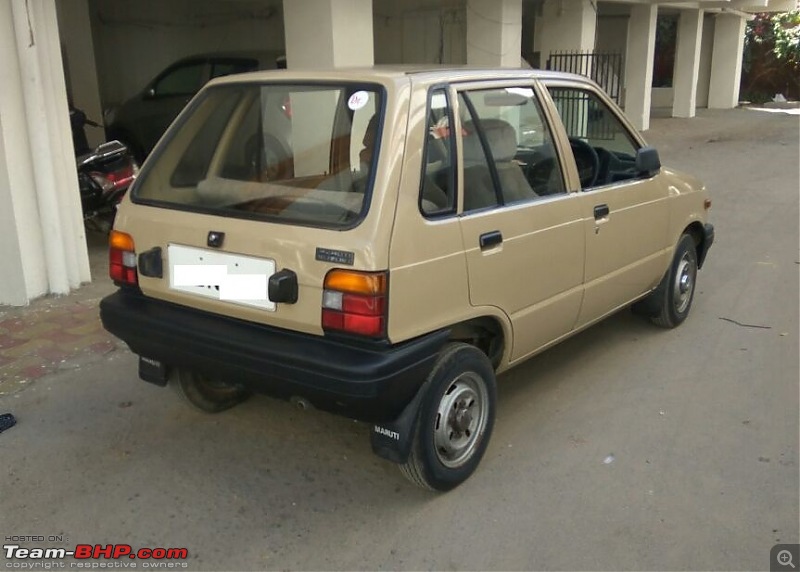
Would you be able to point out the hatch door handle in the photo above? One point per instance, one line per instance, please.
(490, 239)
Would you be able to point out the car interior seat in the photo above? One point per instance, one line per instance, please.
(478, 186)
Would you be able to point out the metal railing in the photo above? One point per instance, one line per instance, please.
(605, 68)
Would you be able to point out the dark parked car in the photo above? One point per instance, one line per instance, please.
(141, 120)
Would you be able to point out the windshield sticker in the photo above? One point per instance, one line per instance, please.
(358, 100)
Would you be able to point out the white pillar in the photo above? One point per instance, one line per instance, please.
(639, 63)
(726, 61)
(687, 63)
(39, 197)
(75, 30)
(565, 25)
(494, 33)
(328, 33)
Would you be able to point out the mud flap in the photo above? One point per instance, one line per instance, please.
(393, 440)
(153, 371)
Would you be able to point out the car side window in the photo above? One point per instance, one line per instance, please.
(603, 148)
(438, 183)
(507, 145)
(219, 69)
(185, 80)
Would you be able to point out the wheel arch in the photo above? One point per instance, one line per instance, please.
(489, 333)
(695, 230)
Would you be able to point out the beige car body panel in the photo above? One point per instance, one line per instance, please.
(557, 271)
(289, 245)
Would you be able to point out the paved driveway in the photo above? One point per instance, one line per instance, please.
(626, 447)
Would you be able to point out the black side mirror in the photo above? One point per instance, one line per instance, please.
(647, 161)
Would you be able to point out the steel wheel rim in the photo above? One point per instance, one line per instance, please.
(683, 288)
(460, 420)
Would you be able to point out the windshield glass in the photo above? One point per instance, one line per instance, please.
(289, 153)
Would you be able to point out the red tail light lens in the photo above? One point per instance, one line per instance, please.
(122, 258)
(355, 302)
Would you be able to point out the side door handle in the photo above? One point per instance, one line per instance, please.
(490, 239)
(601, 211)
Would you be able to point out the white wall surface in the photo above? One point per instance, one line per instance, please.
(419, 32)
(136, 40)
(46, 251)
(75, 30)
(706, 49)
(612, 34)
(662, 97)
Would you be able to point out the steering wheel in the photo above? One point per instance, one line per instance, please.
(539, 175)
(587, 161)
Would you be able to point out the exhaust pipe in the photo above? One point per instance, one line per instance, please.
(301, 403)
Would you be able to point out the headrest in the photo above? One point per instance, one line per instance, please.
(500, 135)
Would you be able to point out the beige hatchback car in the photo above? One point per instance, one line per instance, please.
(424, 231)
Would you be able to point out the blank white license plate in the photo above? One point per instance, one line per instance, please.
(233, 278)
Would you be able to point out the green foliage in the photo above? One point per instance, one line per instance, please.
(771, 62)
(780, 31)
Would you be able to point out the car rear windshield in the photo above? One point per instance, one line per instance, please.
(302, 154)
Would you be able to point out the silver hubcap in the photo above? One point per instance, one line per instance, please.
(684, 283)
(460, 420)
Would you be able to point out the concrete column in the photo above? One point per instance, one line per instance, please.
(565, 25)
(328, 33)
(494, 33)
(639, 63)
(45, 247)
(726, 62)
(687, 63)
(75, 30)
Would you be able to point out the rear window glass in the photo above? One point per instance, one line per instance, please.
(288, 153)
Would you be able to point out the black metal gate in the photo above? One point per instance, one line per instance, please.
(605, 68)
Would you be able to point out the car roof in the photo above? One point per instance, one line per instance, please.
(401, 73)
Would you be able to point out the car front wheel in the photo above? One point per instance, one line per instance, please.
(678, 291)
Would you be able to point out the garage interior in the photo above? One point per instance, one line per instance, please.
(97, 53)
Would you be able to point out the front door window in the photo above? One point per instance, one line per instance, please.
(604, 150)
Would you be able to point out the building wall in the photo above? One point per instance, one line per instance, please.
(612, 33)
(136, 40)
(706, 49)
(419, 34)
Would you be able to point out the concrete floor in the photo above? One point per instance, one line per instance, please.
(700, 425)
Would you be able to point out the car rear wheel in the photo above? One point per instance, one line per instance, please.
(208, 395)
(455, 420)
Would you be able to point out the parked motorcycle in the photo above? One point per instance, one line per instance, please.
(104, 174)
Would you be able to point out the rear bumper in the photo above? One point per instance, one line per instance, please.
(370, 381)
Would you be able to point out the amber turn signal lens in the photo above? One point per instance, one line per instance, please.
(368, 283)
(707, 204)
(120, 240)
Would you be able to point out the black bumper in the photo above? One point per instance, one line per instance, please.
(708, 240)
(370, 381)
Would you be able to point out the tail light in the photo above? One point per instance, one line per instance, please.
(355, 302)
(122, 258)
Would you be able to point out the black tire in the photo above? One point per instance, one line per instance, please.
(447, 449)
(207, 395)
(676, 292)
